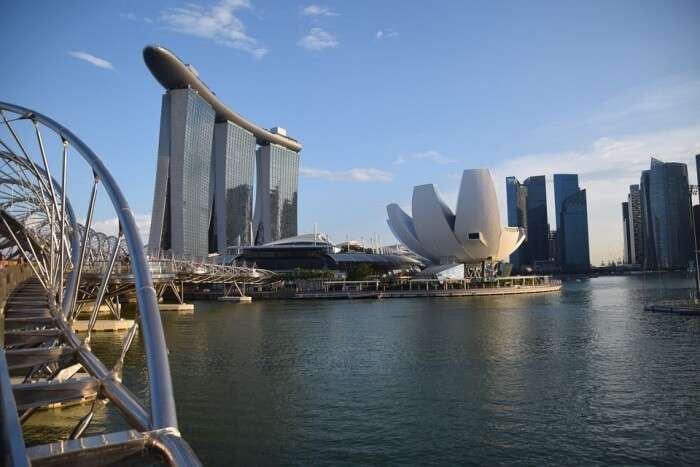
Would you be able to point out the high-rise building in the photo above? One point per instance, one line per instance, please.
(626, 252)
(671, 217)
(636, 250)
(203, 199)
(696, 220)
(537, 224)
(276, 194)
(565, 185)
(648, 243)
(181, 202)
(232, 204)
(516, 195)
(575, 255)
(554, 245)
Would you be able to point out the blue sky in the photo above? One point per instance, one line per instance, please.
(383, 95)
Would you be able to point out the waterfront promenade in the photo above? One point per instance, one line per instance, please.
(403, 288)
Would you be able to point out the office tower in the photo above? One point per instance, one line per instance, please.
(276, 194)
(575, 254)
(203, 197)
(626, 230)
(565, 185)
(669, 200)
(635, 226)
(537, 224)
(181, 210)
(232, 204)
(696, 220)
(516, 196)
(553, 244)
(648, 243)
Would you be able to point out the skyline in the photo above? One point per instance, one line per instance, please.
(610, 103)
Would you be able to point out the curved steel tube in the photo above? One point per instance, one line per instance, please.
(161, 393)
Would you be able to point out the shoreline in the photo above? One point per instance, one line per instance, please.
(382, 294)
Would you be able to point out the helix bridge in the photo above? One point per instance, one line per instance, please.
(44, 361)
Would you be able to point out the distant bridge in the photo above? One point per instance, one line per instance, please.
(169, 273)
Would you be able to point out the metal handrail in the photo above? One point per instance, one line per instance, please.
(161, 391)
(87, 249)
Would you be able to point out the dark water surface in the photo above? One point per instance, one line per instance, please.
(584, 376)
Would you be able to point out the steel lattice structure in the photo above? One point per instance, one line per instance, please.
(38, 224)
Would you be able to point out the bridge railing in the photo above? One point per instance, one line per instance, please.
(37, 223)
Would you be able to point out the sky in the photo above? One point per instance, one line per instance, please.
(384, 95)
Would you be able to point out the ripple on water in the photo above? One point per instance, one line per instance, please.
(584, 376)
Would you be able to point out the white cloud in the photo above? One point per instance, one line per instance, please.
(111, 226)
(385, 33)
(318, 39)
(352, 175)
(317, 10)
(606, 169)
(648, 100)
(431, 155)
(135, 18)
(217, 23)
(92, 60)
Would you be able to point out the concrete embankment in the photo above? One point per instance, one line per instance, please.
(285, 295)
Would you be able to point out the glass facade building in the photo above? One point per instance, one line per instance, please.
(565, 185)
(276, 194)
(181, 203)
(207, 154)
(232, 190)
(697, 168)
(537, 224)
(516, 198)
(635, 226)
(661, 218)
(626, 253)
(670, 214)
(575, 255)
(648, 244)
(571, 211)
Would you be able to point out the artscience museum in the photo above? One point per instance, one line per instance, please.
(471, 234)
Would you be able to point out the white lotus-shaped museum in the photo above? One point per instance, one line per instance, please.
(473, 235)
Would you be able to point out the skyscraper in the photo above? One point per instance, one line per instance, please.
(696, 220)
(627, 241)
(203, 199)
(636, 253)
(181, 202)
(565, 185)
(276, 194)
(516, 196)
(537, 224)
(232, 204)
(575, 254)
(648, 243)
(671, 216)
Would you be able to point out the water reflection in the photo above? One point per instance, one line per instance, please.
(582, 376)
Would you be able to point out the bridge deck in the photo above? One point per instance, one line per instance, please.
(34, 344)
